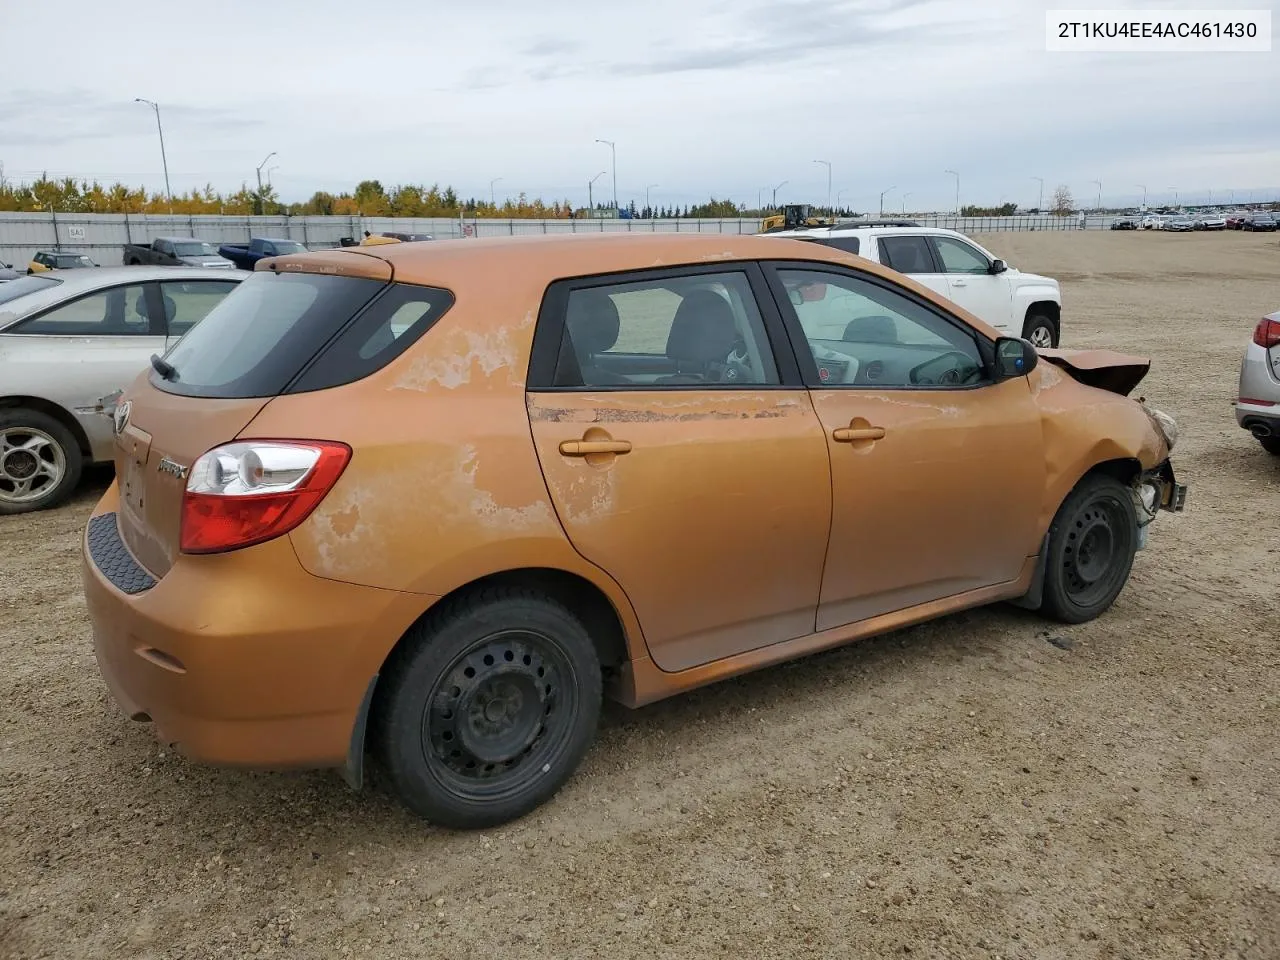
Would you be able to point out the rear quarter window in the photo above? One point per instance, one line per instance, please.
(294, 332)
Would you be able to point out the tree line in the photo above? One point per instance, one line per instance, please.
(369, 199)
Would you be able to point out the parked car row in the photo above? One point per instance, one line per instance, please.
(1184, 222)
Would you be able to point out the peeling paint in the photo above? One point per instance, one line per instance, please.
(347, 533)
(457, 355)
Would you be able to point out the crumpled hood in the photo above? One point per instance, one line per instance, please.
(1105, 369)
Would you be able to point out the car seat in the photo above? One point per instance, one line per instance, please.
(703, 334)
(592, 325)
(876, 328)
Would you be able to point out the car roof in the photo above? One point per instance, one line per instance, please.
(73, 283)
(468, 266)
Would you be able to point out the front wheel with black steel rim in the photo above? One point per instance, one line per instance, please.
(40, 461)
(1040, 330)
(488, 707)
(1091, 546)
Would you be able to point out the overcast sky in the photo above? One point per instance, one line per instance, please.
(702, 97)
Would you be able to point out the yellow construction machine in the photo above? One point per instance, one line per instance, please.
(794, 215)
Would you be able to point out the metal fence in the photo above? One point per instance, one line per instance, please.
(102, 236)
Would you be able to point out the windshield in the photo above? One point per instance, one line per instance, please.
(194, 249)
(74, 261)
(288, 246)
(23, 285)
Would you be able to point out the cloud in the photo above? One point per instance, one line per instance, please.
(702, 96)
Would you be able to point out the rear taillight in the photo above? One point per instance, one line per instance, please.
(1267, 333)
(246, 492)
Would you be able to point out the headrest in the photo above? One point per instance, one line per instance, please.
(874, 329)
(703, 329)
(592, 318)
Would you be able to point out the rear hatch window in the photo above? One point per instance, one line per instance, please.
(292, 332)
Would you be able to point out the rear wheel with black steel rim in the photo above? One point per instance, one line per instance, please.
(1091, 546)
(488, 708)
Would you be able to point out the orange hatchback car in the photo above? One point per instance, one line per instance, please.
(435, 500)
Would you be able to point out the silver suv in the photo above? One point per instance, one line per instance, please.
(1258, 405)
(1017, 304)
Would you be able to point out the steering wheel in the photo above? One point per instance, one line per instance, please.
(948, 367)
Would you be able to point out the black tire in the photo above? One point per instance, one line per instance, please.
(1270, 444)
(59, 452)
(1040, 324)
(453, 757)
(1091, 545)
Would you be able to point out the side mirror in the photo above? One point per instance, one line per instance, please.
(1014, 358)
(999, 266)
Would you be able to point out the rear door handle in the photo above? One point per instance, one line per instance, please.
(850, 434)
(959, 283)
(585, 448)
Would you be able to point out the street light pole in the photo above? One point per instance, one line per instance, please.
(1144, 194)
(957, 176)
(827, 163)
(163, 159)
(591, 203)
(882, 193)
(261, 202)
(904, 203)
(775, 192)
(1175, 195)
(1098, 184)
(1040, 202)
(613, 153)
(647, 188)
(491, 183)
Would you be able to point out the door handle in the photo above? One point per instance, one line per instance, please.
(585, 448)
(850, 434)
(959, 283)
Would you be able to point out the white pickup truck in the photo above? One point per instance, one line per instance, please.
(1015, 303)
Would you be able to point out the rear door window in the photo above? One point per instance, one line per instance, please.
(847, 244)
(907, 254)
(700, 330)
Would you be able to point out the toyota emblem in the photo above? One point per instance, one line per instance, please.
(120, 419)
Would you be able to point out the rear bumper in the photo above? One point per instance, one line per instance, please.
(243, 658)
(1258, 382)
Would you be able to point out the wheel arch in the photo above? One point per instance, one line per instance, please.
(1124, 469)
(51, 409)
(585, 599)
(1050, 308)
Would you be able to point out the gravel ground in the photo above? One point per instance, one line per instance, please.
(989, 785)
